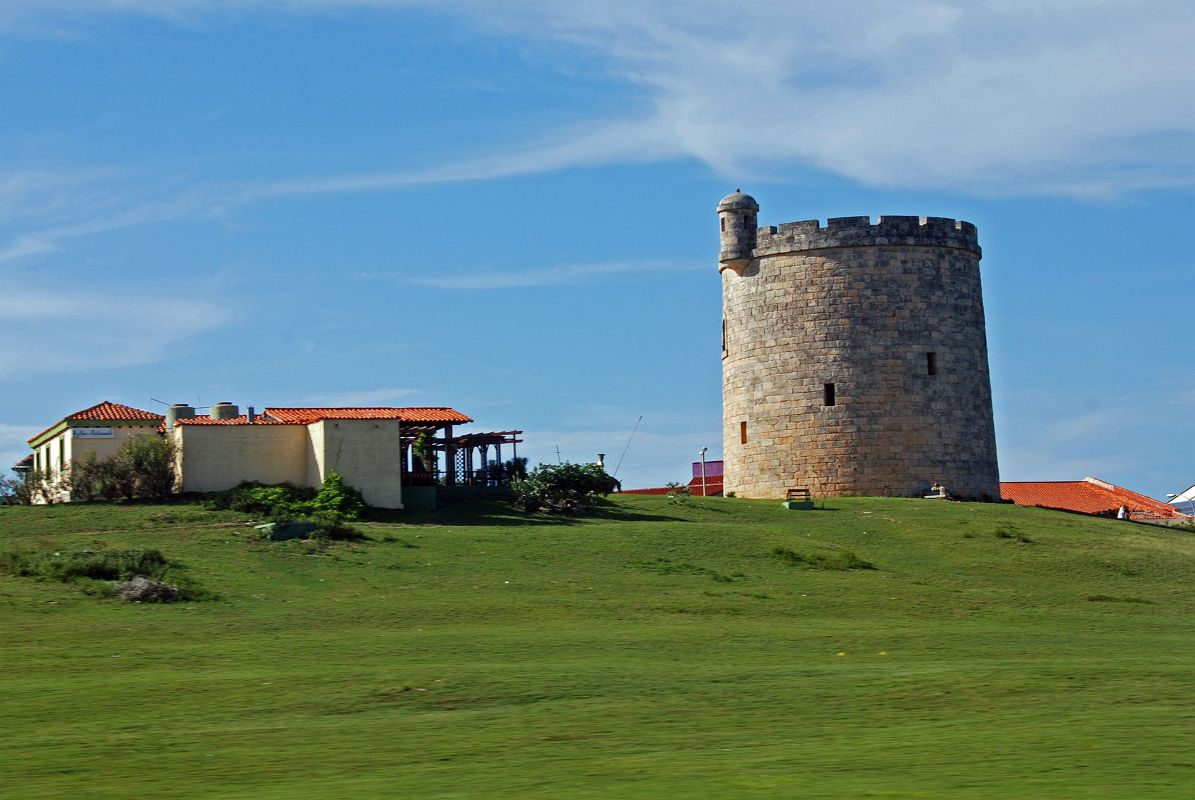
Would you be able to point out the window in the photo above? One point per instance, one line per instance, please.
(931, 363)
(723, 224)
(743, 432)
(724, 337)
(828, 394)
(62, 454)
(747, 222)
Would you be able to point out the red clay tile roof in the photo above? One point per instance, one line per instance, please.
(106, 412)
(114, 411)
(241, 420)
(1088, 496)
(307, 415)
(713, 487)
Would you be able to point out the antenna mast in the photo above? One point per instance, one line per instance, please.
(624, 450)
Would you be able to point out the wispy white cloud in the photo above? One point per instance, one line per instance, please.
(1043, 436)
(42, 209)
(1052, 96)
(79, 330)
(557, 275)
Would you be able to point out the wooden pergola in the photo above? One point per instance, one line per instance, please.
(466, 458)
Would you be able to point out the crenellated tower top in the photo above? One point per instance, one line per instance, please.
(742, 241)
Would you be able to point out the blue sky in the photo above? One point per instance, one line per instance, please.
(508, 208)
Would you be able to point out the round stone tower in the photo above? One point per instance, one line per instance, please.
(854, 357)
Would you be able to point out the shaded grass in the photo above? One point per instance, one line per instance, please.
(481, 653)
(838, 559)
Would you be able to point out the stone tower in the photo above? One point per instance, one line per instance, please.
(854, 357)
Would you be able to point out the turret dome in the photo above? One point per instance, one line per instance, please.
(737, 199)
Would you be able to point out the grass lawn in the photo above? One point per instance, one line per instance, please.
(649, 650)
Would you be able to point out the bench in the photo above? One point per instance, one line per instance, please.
(797, 494)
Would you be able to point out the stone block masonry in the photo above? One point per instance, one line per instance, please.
(854, 357)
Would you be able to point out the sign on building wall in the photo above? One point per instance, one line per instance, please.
(92, 433)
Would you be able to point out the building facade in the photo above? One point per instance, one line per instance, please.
(854, 357)
(368, 447)
(99, 432)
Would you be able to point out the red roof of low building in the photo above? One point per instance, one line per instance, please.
(241, 420)
(115, 412)
(713, 487)
(106, 411)
(442, 415)
(1088, 496)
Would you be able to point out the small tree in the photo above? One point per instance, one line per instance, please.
(336, 497)
(149, 462)
(93, 479)
(17, 490)
(562, 487)
(44, 486)
(424, 454)
(515, 468)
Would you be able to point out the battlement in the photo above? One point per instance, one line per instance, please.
(861, 232)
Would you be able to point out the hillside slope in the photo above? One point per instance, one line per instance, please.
(649, 650)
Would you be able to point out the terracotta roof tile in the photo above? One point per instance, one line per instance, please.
(424, 414)
(241, 420)
(713, 486)
(1088, 496)
(106, 412)
(114, 411)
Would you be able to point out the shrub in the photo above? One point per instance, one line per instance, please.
(330, 509)
(838, 560)
(16, 490)
(678, 493)
(97, 572)
(337, 497)
(143, 467)
(562, 487)
(275, 500)
(44, 487)
(105, 480)
(148, 463)
(333, 526)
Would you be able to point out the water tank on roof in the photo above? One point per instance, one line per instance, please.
(178, 411)
(225, 410)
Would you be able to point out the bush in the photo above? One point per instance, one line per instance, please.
(282, 501)
(143, 467)
(44, 487)
(562, 487)
(678, 493)
(98, 572)
(337, 497)
(16, 490)
(840, 560)
(334, 527)
(149, 461)
(277, 501)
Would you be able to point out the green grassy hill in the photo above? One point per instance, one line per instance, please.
(649, 650)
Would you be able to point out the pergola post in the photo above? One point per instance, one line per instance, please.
(450, 457)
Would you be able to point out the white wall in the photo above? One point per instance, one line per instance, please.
(217, 457)
(366, 452)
